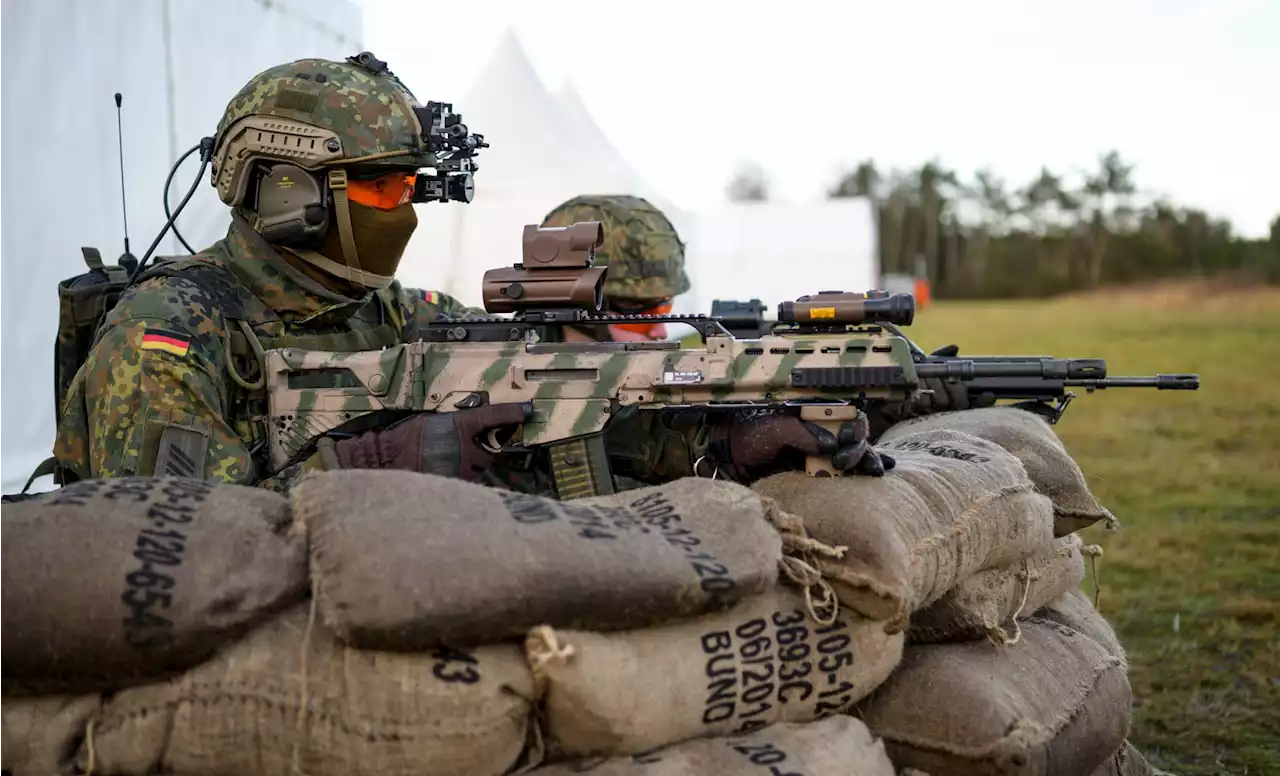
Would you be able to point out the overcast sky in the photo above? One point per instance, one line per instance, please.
(687, 89)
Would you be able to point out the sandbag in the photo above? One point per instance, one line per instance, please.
(1126, 762)
(1076, 611)
(39, 736)
(762, 662)
(291, 699)
(990, 602)
(108, 583)
(1054, 703)
(401, 560)
(954, 505)
(1029, 437)
(835, 746)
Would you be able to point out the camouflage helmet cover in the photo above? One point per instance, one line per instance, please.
(641, 248)
(317, 113)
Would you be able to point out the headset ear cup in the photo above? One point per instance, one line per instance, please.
(291, 206)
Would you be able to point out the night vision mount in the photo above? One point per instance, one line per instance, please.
(455, 149)
(446, 137)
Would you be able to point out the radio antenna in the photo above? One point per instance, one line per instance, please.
(127, 259)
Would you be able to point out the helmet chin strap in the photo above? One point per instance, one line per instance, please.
(351, 270)
(358, 276)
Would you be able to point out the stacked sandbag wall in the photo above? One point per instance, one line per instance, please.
(970, 546)
(378, 622)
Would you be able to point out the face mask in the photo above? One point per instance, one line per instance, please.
(380, 237)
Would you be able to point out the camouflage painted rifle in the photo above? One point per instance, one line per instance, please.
(826, 356)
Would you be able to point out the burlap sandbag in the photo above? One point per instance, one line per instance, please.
(835, 746)
(108, 583)
(952, 506)
(40, 735)
(990, 602)
(401, 560)
(762, 662)
(1054, 703)
(1030, 438)
(1126, 762)
(1075, 610)
(291, 699)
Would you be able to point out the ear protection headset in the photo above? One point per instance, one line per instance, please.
(290, 205)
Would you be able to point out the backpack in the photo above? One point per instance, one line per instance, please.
(83, 304)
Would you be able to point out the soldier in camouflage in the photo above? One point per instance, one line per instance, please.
(645, 257)
(317, 160)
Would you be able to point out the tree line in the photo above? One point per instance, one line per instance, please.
(983, 237)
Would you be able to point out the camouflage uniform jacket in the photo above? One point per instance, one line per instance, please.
(172, 385)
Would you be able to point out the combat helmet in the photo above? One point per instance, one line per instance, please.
(641, 248)
(310, 125)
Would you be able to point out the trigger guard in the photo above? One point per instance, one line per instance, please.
(491, 443)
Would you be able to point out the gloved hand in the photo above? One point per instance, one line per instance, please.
(936, 395)
(747, 447)
(444, 443)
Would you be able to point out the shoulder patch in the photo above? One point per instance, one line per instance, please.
(181, 453)
(430, 297)
(165, 340)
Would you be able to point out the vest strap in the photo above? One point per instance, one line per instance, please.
(383, 336)
(355, 275)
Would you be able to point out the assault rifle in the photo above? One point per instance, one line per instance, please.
(827, 355)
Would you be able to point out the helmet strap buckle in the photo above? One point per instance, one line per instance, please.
(342, 209)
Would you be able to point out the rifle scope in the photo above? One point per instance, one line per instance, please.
(558, 272)
(840, 307)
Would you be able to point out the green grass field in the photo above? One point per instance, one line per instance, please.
(1192, 580)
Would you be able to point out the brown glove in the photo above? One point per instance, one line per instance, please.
(750, 446)
(444, 443)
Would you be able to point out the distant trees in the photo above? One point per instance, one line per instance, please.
(983, 237)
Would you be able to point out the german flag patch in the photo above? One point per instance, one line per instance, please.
(431, 297)
(166, 341)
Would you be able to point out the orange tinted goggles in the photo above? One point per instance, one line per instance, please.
(654, 330)
(385, 192)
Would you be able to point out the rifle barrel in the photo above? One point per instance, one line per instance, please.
(1047, 368)
(1161, 382)
(1028, 377)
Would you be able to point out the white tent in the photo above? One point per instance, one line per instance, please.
(541, 155)
(590, 142)
(596, 146)
(604, 158)
(780, 251)
(177, 63)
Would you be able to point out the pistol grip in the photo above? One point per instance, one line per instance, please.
(829, 417)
